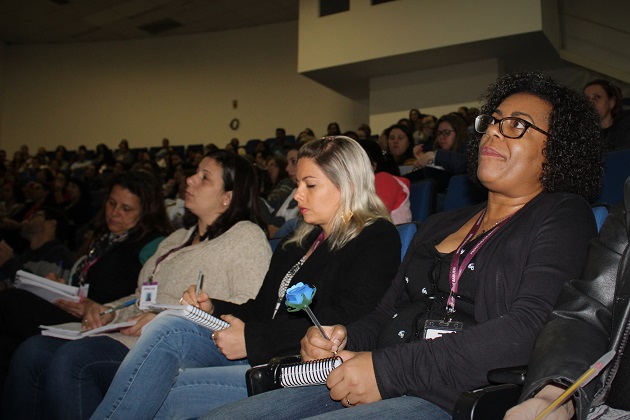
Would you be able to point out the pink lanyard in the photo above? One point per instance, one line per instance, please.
(457, 269)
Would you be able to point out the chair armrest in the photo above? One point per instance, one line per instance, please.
(512, 375)
(488, 403)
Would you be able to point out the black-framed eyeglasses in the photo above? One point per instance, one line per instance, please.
(514, 129)
(444, 133)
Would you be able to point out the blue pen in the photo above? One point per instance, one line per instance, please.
(115, 308)
(60, 268)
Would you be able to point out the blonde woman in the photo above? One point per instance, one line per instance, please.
(347, 248)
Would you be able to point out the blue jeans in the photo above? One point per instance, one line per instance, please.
(314, 402)
(164, 361)
(59, 378)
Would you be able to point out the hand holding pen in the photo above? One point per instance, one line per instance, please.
(196, 297)
(97, 315)
(315, 345)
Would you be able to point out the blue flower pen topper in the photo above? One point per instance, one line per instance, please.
(299, 296)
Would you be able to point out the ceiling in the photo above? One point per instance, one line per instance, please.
(70, 21)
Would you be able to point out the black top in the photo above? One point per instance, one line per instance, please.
(350, 281)
(519, 273)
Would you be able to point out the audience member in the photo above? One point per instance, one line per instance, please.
(400, 144)
(489, 273)
(46, 233)
(448, 157)
(333, 129)
(364, 132)
(225, 240)
(280, 184)
(289, 209)
(347, 248)
(392, 190)
(606, 97)
(124, 155)
(129, 227)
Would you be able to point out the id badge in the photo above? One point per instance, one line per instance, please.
(148, 295)
(435, 328)
(83, 291)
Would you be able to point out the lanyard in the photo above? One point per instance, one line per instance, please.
(161, 258)
(284, 284)
(457, 269)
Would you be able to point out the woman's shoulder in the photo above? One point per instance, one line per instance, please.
(380, 228)
(247, 231)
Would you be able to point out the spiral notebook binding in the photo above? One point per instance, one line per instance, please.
(206, 319)
(314, 372)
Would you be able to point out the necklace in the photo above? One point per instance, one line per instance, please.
(483, 231)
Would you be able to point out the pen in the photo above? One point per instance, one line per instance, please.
(199, 280)
(592, 372)
(115, 308)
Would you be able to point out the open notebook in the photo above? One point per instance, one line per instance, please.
(196, 315)
(73, 330)
(289, 371)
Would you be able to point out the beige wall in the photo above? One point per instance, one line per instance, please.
(368, 32)
(179, 87)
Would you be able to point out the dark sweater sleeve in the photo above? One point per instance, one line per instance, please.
(452, 162)
(522, 274)
(361, 272)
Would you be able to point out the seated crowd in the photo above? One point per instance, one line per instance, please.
(490, 274)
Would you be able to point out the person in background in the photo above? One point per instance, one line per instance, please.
(400, 144)
(448, 157)
(333, 129)
(223, 238)
(288, 210)
(606, 97)
(489, 274)
(128, 229)
(46, 233)
(393, 190)
(364, 132)
(347, 248)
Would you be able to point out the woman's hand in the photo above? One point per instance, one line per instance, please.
(354, 382)
(315, 346)
(202, 301)
(80, 309)
(424, 159)
(231, 341)
(92, 315)
(55, 277)
(534, 406)
(136, 330)
(6, 252)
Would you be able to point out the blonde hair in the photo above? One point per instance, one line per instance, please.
(346, 165)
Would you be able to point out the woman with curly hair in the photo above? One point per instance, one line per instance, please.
(477, 283)
(606, 98)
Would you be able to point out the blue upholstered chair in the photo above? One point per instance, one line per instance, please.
(421, 200)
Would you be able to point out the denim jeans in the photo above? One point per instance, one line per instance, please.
(165, 357)
(314, 402)
(59, 378)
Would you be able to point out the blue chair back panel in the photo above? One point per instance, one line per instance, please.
(421, 200)
(617, 170)
(462, 192)
(406, 232)
(600, 213)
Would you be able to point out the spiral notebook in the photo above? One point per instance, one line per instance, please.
(192, 313)
(283, 372)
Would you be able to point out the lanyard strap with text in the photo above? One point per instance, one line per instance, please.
(457, 269)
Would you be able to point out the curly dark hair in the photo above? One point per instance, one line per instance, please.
(574, 149)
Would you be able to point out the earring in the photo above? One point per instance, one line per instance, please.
(346, 219)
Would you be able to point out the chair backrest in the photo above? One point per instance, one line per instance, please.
(600, 213)
(406, 232)
(421, 200)
(462, 192)
(617, 170)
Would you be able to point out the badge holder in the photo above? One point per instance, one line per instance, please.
(148, 295)
(436, 328)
